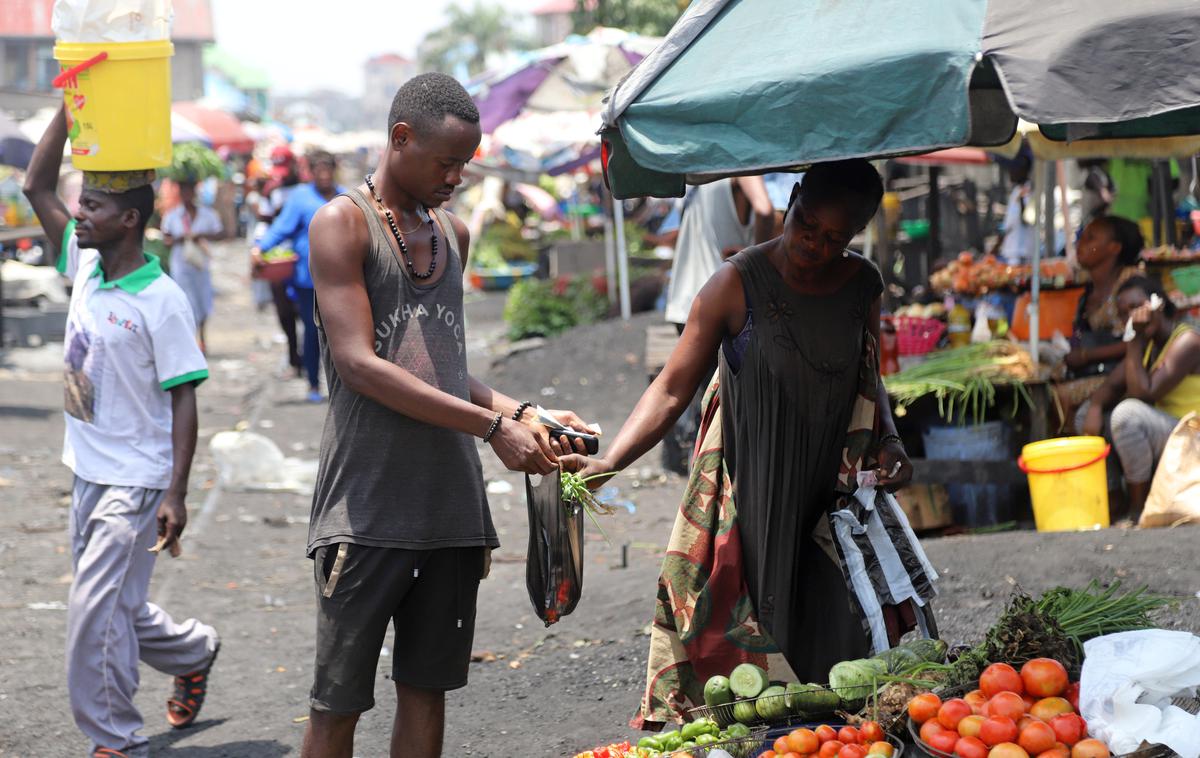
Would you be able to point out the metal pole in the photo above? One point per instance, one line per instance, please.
(1068, 228)
(622, 257)
(935, 214)
(610, 252)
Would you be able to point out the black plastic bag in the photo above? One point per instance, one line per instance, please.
(554, 563)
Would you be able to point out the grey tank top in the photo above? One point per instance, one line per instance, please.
(387, 480)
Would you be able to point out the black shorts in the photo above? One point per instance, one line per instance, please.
(429, 595)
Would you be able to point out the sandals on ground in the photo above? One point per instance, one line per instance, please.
(190, 689)
(108, 752)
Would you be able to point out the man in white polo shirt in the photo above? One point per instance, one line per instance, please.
(131, 368)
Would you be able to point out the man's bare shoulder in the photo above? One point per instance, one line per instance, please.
(339, 226)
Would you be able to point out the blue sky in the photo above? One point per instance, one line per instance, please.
(322, 44)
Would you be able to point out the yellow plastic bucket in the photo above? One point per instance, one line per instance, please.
(118, 98)
(1067, 483)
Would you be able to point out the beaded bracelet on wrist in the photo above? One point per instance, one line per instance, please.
(521, 410)
(494, 427)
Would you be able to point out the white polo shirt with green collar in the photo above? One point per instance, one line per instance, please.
(128, 343)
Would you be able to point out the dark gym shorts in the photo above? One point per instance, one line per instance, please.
(428, 595)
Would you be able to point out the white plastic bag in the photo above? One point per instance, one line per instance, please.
(1126, 686)
(111, 20)
(249, 461)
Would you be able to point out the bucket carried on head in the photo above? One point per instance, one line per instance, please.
(118, 99)
(1067, 483)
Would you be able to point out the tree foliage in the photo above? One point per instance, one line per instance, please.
(469, 35)
(650, 17)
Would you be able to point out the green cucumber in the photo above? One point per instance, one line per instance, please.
(748, 680)
(745, 712)
(772, 703)
(717, 692)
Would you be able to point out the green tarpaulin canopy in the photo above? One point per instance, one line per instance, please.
(743, 86)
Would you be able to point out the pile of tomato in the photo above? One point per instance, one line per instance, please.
(833, 742)
(1033, 713)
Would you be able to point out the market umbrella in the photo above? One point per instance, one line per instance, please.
(789, 83)
(222, 129)
(15, 148)
(554, 96)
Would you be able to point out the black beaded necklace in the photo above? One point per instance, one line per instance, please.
(433, 242)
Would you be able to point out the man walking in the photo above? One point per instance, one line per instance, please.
(132, 365)
(400, 529)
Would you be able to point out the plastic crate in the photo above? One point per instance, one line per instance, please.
(917, 336)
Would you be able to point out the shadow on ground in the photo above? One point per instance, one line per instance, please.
(166, 744)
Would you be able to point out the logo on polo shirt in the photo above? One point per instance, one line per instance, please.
(124, 323)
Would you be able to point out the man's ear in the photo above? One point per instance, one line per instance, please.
(402, 134)
(131, 218)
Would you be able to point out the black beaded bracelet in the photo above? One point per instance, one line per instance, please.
(521, 410)
(495, 426)
(891, 438)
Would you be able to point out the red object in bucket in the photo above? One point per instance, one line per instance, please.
(277, 270)
(918, 336)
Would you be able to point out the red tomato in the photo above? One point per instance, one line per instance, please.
(1007, 704)
(825, 733)
(1068, 728)
(1072, 695)
(1090, 749)
(768, 754)
(781, 745)
(1029, 700)
(944, 741)
(930, 728)
(924, 707)
(886, 749)
(849, 735)
(790, 754)
(871, 732)
(829, 749)
(1058, 751)
(998, 729)
(1044, 677)
(803, 741)
(1007, 750)
(970, 747)
(976, 699)
(952, 712)
(1049, 707)
(1000, 677)
(852, 751)
(1037, 738)
(969, 727)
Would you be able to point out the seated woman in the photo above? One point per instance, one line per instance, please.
(1108, 251)
(1156, 384)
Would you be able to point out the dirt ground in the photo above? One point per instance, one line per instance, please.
(534, 691)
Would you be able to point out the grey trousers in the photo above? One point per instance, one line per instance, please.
(1139, 433)
(110, 624)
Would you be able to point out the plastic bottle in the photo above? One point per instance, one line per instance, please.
(959, 326)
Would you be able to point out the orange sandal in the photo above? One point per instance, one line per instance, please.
(190, 689)
(108, 752)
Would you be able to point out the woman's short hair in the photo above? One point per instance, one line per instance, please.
(853, 182)
(1151, 287)
(1129, 235)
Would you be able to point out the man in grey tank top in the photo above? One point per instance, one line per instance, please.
(400, 529)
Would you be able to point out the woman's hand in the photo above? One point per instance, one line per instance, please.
(1143, 321)
(893, 458)
(560, 444)
(599, 468)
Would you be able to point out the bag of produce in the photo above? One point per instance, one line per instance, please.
(1175, 494)
(554, 562)
(111, 20)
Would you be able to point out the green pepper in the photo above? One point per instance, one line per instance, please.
(692, 729)
(687, 745)
(705, 739)
(670, 741)
(650, 742)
